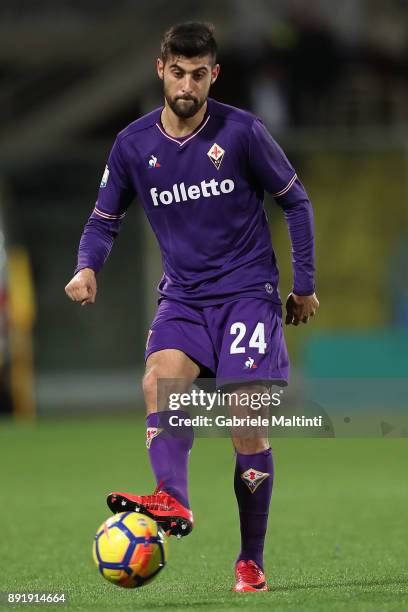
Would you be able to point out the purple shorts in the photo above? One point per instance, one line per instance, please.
(238, 341)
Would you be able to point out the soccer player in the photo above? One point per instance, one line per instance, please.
(200, 169)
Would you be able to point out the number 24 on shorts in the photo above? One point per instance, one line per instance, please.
(257, 340)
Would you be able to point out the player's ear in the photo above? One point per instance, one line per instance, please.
(160, 67)
(215, 71)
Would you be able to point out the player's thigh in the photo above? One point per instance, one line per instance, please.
(178, 344)
(181, 327)
(171, 363)
(167, 371)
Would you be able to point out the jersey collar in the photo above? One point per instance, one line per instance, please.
(182, 141)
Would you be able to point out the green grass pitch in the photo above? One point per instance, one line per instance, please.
(337, 532)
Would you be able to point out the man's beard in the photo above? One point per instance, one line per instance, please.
(185, 110)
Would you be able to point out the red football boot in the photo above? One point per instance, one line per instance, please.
(249, 577)
(172, 516)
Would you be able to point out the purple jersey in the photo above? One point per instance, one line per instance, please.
(203, 196)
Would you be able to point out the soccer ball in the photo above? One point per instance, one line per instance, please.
(130, 549)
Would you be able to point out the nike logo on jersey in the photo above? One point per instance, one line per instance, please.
(180, 193)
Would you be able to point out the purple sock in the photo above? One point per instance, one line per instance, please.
(169, 447)
(253, 489)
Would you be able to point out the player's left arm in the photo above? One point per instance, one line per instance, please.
(274, 172)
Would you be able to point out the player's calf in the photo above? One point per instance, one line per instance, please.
(168, 441)
(168, 446)
(253, 481)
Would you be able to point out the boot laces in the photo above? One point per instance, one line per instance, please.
(249, 572)
(159, 500)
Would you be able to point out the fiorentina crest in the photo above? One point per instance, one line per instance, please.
(151, 433)
(253, 478)
(216, 154)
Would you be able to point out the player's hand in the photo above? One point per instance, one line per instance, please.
(299, 308)
(82, 288)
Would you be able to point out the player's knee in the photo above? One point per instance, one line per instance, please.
(149, 385)
(156, 388)
(250, 446)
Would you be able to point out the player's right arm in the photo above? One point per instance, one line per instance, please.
(115, 194)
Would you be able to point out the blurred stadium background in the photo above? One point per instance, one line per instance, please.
(330, 79)
(331, 83)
